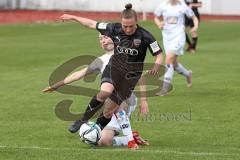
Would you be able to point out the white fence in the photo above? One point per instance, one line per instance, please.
(216, 7)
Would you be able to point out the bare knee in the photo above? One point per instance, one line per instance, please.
(105, 141)
(106, 138)
(103, 95)
(106, 91)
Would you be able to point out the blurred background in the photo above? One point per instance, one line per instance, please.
(215, 7)
(212, 9)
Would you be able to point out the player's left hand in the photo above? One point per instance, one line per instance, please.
(154, 70)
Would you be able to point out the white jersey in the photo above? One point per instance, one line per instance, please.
(105, 59)
(173, 16)
(99, 64)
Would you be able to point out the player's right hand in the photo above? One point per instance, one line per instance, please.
(48, 89)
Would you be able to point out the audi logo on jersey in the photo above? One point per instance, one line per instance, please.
(129, 51)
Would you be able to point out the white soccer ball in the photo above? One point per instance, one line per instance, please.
(90, 133)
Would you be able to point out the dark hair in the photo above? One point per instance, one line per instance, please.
(128, 12)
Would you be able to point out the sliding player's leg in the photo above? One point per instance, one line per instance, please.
(128, 134)
(120, 122)
(107, 136)
(124, 123)
(109, 133)
(115, 125)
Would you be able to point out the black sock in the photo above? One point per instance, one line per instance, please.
(103, 121)
(188, 40)
(92, 108)
(194, 45)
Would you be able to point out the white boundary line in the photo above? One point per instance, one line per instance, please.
(121, 150)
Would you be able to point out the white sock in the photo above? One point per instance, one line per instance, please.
(182, 70)
(168, 76)
(120, 141)
(125, 125)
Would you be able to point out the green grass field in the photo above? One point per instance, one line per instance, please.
(29, 128)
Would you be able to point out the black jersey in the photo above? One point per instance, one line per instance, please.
(129, 50)
(195, 9)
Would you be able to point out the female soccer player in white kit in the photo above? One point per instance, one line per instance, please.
(169, 17)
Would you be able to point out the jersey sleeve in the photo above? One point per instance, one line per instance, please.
(105, 28)
(96, 65)
(159, 11)
(153, 45)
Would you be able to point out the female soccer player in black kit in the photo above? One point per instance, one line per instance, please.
(125, 66)
(192, 45)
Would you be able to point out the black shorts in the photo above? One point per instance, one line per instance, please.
(123, 83)
(189, 21)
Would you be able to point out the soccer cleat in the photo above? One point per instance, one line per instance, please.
(133, 145)
(165, 89)
(139, 140)
(75, 126)
(189, 79)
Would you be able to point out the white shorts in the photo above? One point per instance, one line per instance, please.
(113, 124)
(175, 45)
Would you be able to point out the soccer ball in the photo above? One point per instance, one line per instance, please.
(90, 133)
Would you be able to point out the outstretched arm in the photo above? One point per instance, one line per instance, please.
(157, 65)
(83, 21)
(71, 78)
